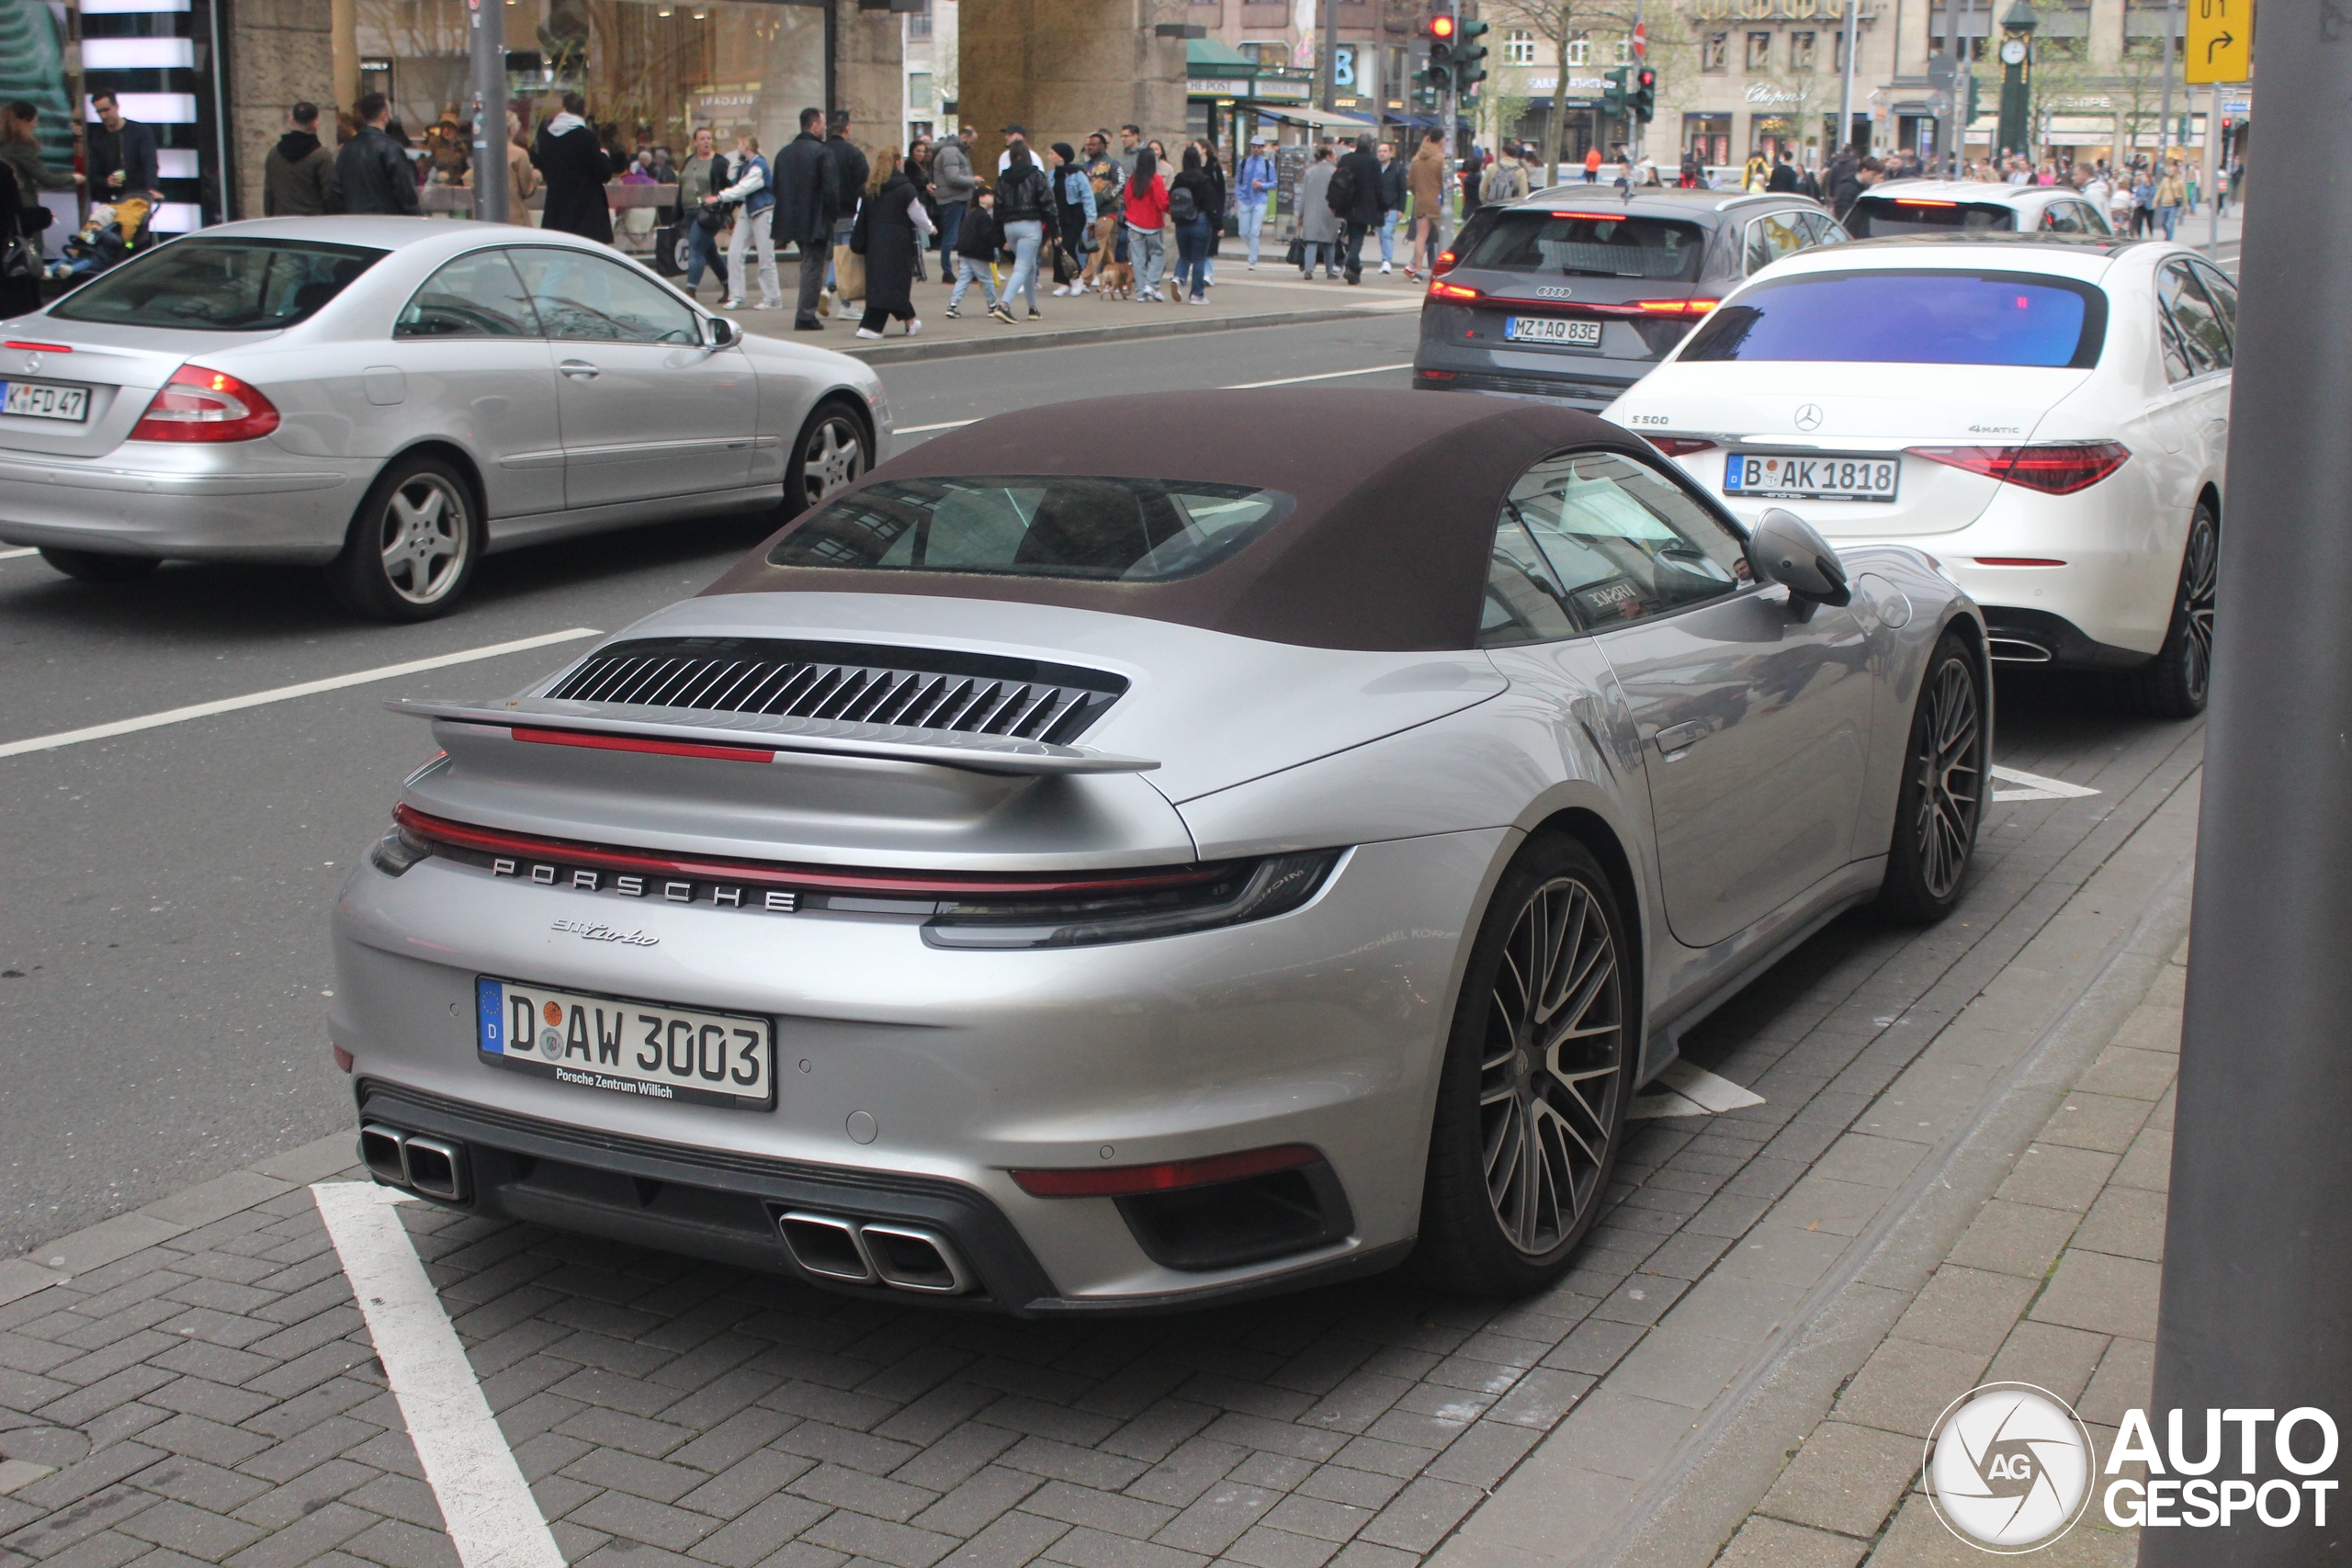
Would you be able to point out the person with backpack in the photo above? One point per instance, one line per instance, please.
(1355, 201)
(1188, 199)
(1252, 184)
(1507, 181)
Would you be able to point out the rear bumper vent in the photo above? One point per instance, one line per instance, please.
(915, 688)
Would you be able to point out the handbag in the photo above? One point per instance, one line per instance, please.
(1296, 254)
(1062, 270)
(714, 218)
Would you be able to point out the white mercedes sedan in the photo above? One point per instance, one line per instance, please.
(2048, 417)
(393, 398)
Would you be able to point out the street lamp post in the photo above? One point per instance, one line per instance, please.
(486, 41)
(2017, 74)
(2255, 1315)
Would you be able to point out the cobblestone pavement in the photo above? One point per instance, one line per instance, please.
(192, 1382)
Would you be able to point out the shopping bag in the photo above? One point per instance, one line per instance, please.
(849, 273)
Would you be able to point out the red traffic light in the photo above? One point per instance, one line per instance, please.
(1648, 79)
(1441, 27)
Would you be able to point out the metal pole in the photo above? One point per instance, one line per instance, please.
(2255, 1314)
(2212, 151)
(486, 21)
(1846, 82)
(2163, 130)
(1453, 140)
(1327, 55)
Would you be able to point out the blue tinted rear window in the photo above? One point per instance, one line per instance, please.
(1911, 318)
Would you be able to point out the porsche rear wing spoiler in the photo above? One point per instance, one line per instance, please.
(763, 737)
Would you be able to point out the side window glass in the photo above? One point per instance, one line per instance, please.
(475, 296)
(2177, 366)
(1822, 229)
(2224, 295)
(586, 298)
(1623, 542)
(2201, 332)
(1771, 237)
(1759, 255)
(2094, 220)
(1522, 600)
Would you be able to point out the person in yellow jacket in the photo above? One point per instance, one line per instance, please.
(1759, 173)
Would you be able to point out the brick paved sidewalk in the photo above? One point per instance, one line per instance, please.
(2054, 1284)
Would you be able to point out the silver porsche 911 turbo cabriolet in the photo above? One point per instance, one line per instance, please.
(1071, 871)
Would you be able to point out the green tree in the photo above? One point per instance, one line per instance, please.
(1560, 24)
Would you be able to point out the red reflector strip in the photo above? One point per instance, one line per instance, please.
(638, 743)
(2015, 561)
(1434, 375)
(1680, 445)
(43, 347)
(1131, 1180)
(498, 841)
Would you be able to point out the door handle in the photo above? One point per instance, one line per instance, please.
(1676, 738)
(579, 369)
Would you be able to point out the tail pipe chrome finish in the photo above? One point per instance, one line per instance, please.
(2017, 650)
(429, 1166)
(870, 1252)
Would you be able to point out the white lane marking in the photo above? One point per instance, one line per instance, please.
(1691, 1090)
(2033, 787)
(18, 555)
(1237, 387)
(283, 694)
(494, 1520)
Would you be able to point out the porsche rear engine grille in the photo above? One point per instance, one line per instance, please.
(917, 688)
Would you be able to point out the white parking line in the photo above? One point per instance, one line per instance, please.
(283, 694)
(1683, 1089)
(492, 1518)
(18, 555)
(2033, 787)
(1237, 387)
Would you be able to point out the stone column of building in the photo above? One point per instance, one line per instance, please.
(280, 53)
(869, 77)
(1063, 67)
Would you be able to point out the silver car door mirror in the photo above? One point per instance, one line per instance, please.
(723, 333)
(1785, 549)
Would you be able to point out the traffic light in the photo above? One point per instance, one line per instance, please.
(1469, 56)
(1645, 97)
(1613, 98)
(1439, 74)
(1968, 117)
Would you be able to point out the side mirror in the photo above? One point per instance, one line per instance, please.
(1785, 549)
(723, 333)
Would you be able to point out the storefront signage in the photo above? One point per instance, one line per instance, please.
(1764, 93)
(1220, 88)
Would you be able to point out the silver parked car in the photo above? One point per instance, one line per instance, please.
(1065, 873)
(391, 398)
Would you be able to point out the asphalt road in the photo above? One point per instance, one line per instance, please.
(164, 959)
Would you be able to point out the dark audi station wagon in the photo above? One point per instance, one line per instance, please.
(1576, 292)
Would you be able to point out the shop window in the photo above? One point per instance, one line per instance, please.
(1714, 53)
(1519, 48)
(1760, 51)
(1801, 47)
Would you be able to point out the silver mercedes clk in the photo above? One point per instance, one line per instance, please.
(1141, 853)
(394, 398)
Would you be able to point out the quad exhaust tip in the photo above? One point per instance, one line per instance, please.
(429, 1166)
(872, 1252)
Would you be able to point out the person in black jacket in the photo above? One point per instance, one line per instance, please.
(1783, 177)
(574, 166)
(851, 173)
(807, 196)
(1359, 175)
(371, 172)
(1189, 199)
(889, 223)
(121, 154)
(19, 296)
(1024, 206)
(976, 242)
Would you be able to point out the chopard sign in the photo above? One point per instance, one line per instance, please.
(590, 931)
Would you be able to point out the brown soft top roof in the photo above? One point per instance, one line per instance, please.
(1385, 550)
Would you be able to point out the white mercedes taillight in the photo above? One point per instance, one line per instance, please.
(197, 404)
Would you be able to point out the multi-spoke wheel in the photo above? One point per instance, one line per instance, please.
(1532, 1099)
(1942, 795)
(2175, 682)
(412, 545)
(831, 454)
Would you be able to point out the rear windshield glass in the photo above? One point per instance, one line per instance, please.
(1588, 244)
(1910, 318)
(1877, 217)
(1117, 530)
(220, 286)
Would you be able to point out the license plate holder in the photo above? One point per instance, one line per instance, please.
(45, 399)
(1823, 476)
(697, 1055)
(1559, 331)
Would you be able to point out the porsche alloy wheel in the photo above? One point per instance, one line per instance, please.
(412, 547)
(1533, 1105)
(1942, 795)
(831, 455)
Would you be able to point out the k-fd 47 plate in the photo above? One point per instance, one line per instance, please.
(649, 1049)
(1552, 329)
(1829, 476)
(44, 400)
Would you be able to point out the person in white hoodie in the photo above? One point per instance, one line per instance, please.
(751, 198)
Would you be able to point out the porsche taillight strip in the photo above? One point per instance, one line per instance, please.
(809, 879)
(634, 743)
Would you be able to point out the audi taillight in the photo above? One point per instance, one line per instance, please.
(1439, 290)
(2055, 467)
(1680, 445)
(197, 404)
(1677, 307)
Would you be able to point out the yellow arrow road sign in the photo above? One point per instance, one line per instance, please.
(2220, 40)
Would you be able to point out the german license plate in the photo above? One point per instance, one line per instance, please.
(44, 400)
(648, 1049)
(1828, 477)
(1552, 329)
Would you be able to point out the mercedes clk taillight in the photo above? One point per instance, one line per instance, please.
(197, 404)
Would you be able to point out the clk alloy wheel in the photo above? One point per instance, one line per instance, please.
(424, 539)
(1554, 1039)
(412, 545)
(1942, 795)
(1533, 1096)
(831, 456)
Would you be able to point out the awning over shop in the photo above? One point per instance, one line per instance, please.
(1215, 58)
(1300, 114)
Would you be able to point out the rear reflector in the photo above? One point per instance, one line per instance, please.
(636, 743)
(1434, 375)
(2059, 468)
(1131, 1180)
(1680, 445)
(342, 1058)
